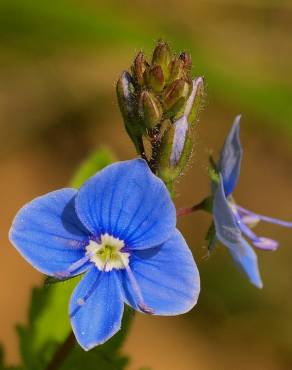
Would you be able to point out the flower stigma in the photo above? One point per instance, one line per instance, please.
(107, 254)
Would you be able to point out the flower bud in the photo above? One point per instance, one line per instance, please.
(139, 67)
(187, 61)
(155, 78)
(162, 57)
(181, 127)
(150, 109)
(175, 96)
(126, 100)
(176, 147)
(160, 104)
(195, 100)
(125, 95)
(176, 70)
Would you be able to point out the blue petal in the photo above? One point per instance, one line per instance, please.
(127, 201)
(96, 308)
(227, 229)
(48, 234)
(247, 261)
(228, 232)
(167, 276)
(230, 158)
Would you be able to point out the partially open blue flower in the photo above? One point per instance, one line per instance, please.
(232, 222)
(119, 228)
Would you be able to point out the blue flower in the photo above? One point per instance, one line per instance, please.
(232, 222)
(119, 228)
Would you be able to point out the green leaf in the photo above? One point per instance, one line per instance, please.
(48, 324)
(94, 163)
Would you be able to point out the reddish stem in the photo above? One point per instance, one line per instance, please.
(186, 211)
(62, 352)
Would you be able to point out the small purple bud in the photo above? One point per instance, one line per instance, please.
(180, 132)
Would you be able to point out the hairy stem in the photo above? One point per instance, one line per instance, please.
(186, 211)
(205, 205)
(61, 353)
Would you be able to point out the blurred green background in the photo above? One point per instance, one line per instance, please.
(59, 61)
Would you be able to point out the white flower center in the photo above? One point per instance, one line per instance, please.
(107, 254)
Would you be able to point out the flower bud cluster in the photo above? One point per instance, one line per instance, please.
(160, 103)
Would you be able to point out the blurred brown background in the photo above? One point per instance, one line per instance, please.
(59, 61)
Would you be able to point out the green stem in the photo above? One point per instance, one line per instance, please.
(170, 188)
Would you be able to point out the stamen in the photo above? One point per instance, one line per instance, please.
(266, 244)
(73, 268)
(243, 228)
(136, 289)
(265, 218)
(259, 242)
(250, 220)
(108, 253)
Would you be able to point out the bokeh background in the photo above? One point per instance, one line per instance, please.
(59, 61)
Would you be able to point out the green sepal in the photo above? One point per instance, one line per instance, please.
(213, 171)
(207, 204)
(50, 280)
(211, 238)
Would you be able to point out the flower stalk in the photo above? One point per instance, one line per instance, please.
(62, 352)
